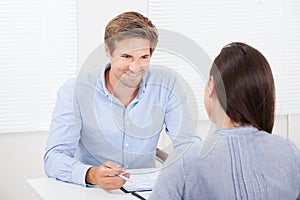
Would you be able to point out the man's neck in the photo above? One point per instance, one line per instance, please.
(120, 91)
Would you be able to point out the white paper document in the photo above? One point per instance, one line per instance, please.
(141, 179)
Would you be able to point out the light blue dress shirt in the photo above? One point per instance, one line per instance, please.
(90, 126)
(234, 163)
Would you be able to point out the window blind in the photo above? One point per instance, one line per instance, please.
(38, 53)
(271, 26)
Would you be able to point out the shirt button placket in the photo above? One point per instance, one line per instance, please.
(126, 143)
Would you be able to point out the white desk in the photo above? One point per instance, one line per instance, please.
(51, 189)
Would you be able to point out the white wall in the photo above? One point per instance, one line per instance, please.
(21, 157)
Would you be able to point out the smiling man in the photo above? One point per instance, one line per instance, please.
(107, 121)
(129, 63)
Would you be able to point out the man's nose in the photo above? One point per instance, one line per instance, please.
(134, 66)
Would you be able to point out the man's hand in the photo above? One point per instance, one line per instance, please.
(105, 175)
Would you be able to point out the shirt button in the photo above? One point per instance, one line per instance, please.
(127, 145)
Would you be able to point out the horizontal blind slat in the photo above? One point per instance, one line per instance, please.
(273, 27)
(38, 53)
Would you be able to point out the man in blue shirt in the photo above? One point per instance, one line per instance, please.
(107, 121)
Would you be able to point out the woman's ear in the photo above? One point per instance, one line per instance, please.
(107, 51)
(211, 90)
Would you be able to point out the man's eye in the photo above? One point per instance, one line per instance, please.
(145, 57)
(125, 56)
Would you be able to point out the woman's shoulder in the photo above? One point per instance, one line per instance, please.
(192, 153)
(278, 140)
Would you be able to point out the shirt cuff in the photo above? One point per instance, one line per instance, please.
(79, 174)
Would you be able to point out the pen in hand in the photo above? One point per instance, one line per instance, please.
(123, 177)
(121, 171)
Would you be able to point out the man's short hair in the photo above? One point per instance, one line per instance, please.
(130, 25)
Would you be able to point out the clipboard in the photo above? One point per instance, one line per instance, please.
(142, 195)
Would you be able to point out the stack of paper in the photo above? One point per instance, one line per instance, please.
(141, 179)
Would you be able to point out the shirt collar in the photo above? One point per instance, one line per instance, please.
(213, 137)
(240, 130)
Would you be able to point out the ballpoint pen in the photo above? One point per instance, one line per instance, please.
(122, 177)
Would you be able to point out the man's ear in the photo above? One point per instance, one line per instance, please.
(212, 88)
(107, 51)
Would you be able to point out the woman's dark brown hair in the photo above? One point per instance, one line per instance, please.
(245, 86)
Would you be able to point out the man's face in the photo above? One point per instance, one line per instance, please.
(129, 62)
